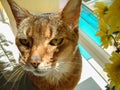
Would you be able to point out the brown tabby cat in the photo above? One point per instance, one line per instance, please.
(48, 45)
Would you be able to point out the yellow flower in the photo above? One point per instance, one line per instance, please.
(112, 17)
(0, 5)
(117, 87)
(118, 37)
(101, 9)
(115, 6)
(109, 22)
(106, 39)
(113, 70)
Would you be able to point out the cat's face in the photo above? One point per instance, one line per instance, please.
(47, 42)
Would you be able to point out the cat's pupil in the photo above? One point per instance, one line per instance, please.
(25, 42)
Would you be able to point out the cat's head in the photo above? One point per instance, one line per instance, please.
(47, 41)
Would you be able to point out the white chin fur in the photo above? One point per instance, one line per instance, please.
(43, 73)
(48, 71)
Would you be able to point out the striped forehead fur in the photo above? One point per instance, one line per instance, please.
(39, 20)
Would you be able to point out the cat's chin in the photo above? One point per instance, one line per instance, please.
(40, 73)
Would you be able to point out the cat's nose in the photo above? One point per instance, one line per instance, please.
(35, 61)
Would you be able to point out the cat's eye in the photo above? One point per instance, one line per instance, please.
(56, 42)
(25, 42)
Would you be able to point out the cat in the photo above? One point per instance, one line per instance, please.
(48, 44)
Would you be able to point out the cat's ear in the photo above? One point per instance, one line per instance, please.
(18, 12)
(71, 12)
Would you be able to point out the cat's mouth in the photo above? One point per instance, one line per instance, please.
(40, 72)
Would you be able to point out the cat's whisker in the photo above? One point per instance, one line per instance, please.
(21, 58)
(12, 76)
(22, 66)
(3, 74)
(69, 62)
(56, 69)
(24, 78)
(19, 82)
(59, 66)
(19, 75)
